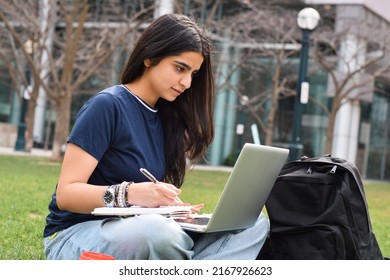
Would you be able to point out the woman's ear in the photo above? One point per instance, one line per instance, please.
(147, 63)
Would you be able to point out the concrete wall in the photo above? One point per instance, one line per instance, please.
(8, 134)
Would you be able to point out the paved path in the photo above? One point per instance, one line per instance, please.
(48, 153)
(34, 152)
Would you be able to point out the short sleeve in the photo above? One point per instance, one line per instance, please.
(94, 128)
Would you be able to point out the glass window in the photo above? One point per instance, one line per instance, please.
(378, 166)
(5, 96)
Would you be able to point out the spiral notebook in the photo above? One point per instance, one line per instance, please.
(168, 211)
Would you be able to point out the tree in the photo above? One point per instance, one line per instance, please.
(260, 30)
(66, 56)
(353, 55)
(20, 52)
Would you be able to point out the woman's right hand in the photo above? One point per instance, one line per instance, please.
(149, 194)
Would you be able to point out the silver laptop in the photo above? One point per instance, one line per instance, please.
(245, 192)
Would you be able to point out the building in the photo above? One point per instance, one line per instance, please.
(362, 130)
(361, 134)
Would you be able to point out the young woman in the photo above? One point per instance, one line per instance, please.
(160, 118)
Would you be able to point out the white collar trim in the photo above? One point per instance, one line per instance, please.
(141, 101)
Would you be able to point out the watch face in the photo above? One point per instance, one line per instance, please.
(108, 197)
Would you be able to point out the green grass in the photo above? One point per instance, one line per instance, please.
(203, 187)
(26, 185)
(378, 199)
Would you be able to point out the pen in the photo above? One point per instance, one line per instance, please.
(149, 175)
(154, 180)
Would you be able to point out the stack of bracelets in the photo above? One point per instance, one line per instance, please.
(121, 193)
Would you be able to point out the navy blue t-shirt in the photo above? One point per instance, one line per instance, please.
(124, 134)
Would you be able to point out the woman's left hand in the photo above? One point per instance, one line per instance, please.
(194, 208)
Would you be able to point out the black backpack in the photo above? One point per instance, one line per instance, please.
(318, 210)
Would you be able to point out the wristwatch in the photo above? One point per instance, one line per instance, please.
(109, 197)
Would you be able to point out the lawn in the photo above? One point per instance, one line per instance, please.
(26, 185)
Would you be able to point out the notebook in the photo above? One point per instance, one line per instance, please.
(245, 192)
(168, 211)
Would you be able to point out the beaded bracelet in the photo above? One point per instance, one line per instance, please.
(121, 192)
(127, 194)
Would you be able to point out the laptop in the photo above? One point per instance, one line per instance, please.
(245, 191)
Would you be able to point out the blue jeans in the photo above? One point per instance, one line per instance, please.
(154, 237)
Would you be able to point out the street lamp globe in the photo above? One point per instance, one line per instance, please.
(28, 46)
(244, 100)
(308, 19)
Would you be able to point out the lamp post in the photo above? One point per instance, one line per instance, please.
(307, 20)
(20, 140)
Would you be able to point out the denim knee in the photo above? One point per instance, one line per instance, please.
(149, 237)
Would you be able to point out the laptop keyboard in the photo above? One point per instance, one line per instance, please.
(195, 221)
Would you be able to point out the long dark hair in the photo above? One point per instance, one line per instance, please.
(188, 121)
